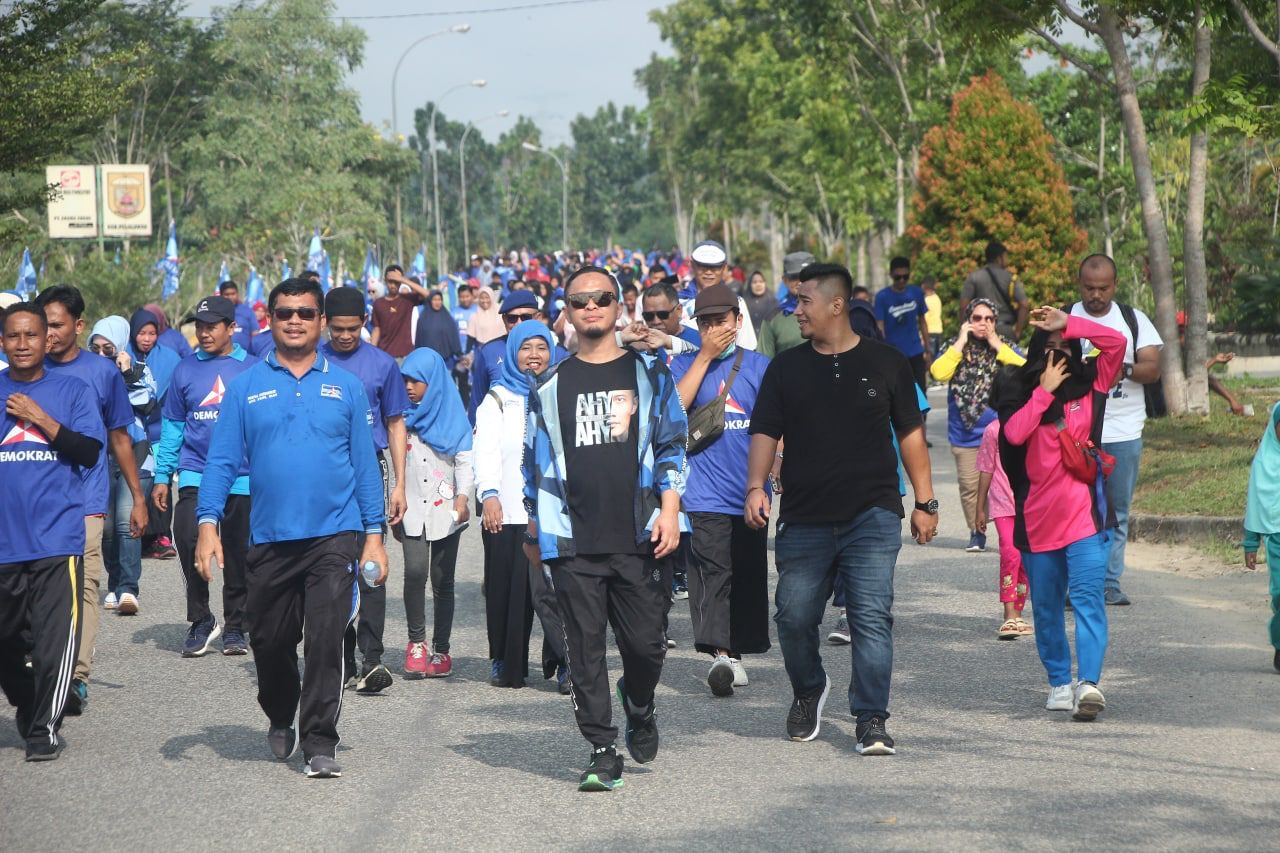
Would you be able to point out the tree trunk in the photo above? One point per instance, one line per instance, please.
(875, 261)
(1196, 283)
(861, 277)
(1159, 257)
(900, 180)
(777, 244)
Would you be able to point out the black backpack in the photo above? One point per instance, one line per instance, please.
(1154, 392)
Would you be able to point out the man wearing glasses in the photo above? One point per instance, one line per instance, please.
(710, 264)
(900, 312)
(486, 366)
(303, 425)
(658, 329)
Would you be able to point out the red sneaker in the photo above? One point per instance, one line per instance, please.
(415, 661)
(440, 665)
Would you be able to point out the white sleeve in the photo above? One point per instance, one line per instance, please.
(487, 447)
(463, 476)
(1147, 334)
(747, 334)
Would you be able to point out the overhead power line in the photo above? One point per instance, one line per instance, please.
(546, 4)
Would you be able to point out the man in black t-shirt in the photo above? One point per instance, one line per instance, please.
(604, 471)
(834, 402)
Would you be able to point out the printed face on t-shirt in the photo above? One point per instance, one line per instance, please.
(604, 417)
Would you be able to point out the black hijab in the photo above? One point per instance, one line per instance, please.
(1014, 385)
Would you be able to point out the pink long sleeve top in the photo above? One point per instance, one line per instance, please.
(1060, 509)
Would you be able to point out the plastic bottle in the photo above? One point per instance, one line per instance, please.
(371, 570)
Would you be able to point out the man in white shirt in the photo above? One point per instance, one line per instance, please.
(1126, 404)
(709, 262)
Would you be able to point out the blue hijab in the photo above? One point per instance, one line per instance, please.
(511, 378)
(439, 419)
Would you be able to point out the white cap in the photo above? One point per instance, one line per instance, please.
(709, 253)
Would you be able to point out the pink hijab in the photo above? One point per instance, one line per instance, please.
(486, 324)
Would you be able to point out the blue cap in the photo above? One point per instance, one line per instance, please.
(518, 299)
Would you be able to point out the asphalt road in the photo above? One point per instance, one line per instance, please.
(171, 752)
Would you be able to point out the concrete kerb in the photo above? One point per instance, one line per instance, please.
(1185, 528)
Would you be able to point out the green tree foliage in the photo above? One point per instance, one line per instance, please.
(612, 172)
(989, 173)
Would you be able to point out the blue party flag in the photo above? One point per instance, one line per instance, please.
(168, 265)
(26, 276)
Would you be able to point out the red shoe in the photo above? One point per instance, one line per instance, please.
(439, 666)
(415, 661)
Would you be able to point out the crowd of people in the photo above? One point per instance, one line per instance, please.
(621, 425)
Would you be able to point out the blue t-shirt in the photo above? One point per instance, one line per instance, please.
(380, 375)
(310, 450)
(718, 475)
(261, 344)
(111, 401)
(247, 324)
(900, 313)
(462, 316)
(42, 497)
(174, 340)
(196, 391)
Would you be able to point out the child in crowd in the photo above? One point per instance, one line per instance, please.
(995, 503)
(1262, 517)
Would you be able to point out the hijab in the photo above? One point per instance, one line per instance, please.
(971, 383)
(762, 307)
(1262, 508)
(511, 378)
(1015, 385)
(115, 329)
(486, 324)
(438, 330)
(439, 419)
(157, 313)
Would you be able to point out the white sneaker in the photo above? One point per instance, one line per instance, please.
(110, 602)
(1062, 698)
(840, 633)
(721, 676)
(128, 604)
(739, 673)
(1089, 702)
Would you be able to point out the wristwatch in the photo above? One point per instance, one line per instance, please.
(930, 506)
(1128, 371)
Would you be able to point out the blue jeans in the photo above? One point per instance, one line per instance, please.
(121, 553)
(862, 553)
(1120, 486)
(1080, 568)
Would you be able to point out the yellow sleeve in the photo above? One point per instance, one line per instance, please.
(1007, 355)
(945, 365)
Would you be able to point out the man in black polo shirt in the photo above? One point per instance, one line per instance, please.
(834, 402)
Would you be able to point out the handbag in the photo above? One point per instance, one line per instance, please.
(1083, 459)
(706, 423)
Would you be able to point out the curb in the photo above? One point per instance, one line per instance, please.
(1185, 528)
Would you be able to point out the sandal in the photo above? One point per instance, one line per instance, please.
(1024, 627)
(1009, 630)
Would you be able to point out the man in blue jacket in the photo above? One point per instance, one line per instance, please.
(303, 424)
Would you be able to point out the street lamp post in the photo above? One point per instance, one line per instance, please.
(395, 123)
(564, 197)
(435, 172)
(462, 175)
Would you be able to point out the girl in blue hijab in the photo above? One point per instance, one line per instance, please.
(438, 483)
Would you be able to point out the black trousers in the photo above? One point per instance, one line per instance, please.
(366, 631)
(729, 585)
(234, 533)
(311, 582)
(514, 591)
(40, 613)
(438, 562)
(629, 592)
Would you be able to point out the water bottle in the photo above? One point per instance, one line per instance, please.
(371, 570)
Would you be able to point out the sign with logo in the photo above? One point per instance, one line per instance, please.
(126, 201)
(73, 212)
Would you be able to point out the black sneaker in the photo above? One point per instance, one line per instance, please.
(375, 680)
(1275, 661)
(46, 751)
(641, 731)
(805, 718)
(283, 742)
(77, 698)
(873, 739)
(322, 767)
(604, 773)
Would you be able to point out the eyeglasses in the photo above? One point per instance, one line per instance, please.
(903, 277)
(307, 314)
(982, 318)
(102, 349)
(650, 316)
(602, 299)
(513, 319)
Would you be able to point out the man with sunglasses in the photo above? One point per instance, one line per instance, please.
(900, 313)
(658, 329)
(604, 468)
(709, 264)
(303, 425)
(486, 366)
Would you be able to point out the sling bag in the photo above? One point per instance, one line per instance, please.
(706, 423)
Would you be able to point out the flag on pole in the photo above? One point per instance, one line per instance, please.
(326, 273)
(315, 253)
(284, 269)
(224, 274)
(116, 259)
(419, 267)
(168, 265)
(253, 287)
(26, 285)
(371, 276)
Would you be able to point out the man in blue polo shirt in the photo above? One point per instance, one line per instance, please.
(63, 310)
(304, 426)
(50, 434)
(190, 411)
(380, 374)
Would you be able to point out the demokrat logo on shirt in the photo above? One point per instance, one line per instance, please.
(25, 432)
(333, 392)
(735, 417)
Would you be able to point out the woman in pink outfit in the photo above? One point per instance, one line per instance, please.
(1060, 521)
(995, 503)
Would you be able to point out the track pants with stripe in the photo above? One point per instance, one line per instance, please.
(42, 596)
(307, 582)
(234, 533)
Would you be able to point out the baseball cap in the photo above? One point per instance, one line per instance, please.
(709, 253)
(716, 299)
(215, 309)
(794, 262)
(518, 299)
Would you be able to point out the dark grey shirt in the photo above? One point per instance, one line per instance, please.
(979, 285)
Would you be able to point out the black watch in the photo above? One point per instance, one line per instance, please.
(930, 506)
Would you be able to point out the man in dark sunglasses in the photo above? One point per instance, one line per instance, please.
(659, 329)
(302, 425)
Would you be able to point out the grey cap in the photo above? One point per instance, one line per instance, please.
(793, 263)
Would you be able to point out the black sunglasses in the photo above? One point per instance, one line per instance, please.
(602, 298)
(512, 319)
(650, 316)
(904, 277)
(307, 314)
(102, 349)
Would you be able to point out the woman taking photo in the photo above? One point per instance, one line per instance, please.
(1050, 409)
(513, 590)
(969, 363)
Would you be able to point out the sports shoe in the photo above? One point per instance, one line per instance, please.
(1089, 702)
(375, 680)
(671, 644)
(322, 767)
(977, 542)
(164, 548)
(739, 673)
(604, 773)
(1062, 698)
(415, 661)
(110, 602)
(805, 719)
(283, 742)
(233, 643)
(200, 638)
(46, 751)
(1116, 598)
(496, 670)
(840, 632)
(77, 698)
(563, 682)
(641, 730)
(439, 665)
(872, 738)
(128, 604)
(720, 678)
(352, 679)
(679, 590)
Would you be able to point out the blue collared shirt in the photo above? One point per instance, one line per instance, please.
(309, 443)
